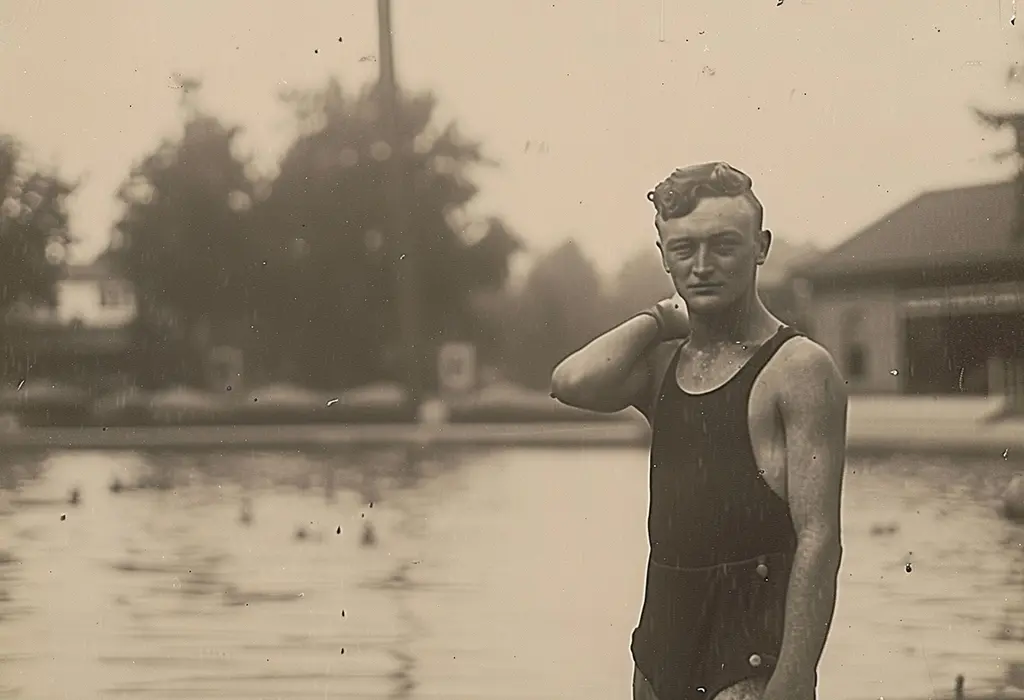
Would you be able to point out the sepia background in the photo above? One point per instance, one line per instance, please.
(281, 291)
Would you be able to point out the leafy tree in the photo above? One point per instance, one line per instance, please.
(327, 295)
(184, 242)
(34, 237)
(560, 307)
(1013, 120)
(639, 283)
(303, 267)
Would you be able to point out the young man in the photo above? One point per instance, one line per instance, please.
(748, 446)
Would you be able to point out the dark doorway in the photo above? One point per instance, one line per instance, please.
(950, 354)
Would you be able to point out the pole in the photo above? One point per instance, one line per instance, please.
(402, 238)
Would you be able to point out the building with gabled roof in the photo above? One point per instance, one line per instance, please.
(929, 299)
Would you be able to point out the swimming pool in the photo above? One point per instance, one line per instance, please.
(511, 573)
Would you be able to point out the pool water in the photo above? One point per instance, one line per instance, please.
(513, 573)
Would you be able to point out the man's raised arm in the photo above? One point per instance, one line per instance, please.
(614, 371)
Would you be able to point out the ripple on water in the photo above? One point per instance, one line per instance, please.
(493, 574)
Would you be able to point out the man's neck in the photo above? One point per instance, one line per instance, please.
(741, 323)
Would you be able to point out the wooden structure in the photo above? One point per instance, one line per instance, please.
(929, 299)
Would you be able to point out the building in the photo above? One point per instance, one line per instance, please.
(84, 335)
(927, 300)
(773, 279)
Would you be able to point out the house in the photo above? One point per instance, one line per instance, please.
(84, 336)
(927, 300)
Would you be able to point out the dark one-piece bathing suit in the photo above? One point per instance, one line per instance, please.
(721, 541)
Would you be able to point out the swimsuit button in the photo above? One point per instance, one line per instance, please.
(754, 660)
(762, 571)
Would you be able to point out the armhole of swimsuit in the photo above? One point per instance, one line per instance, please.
(659, 360)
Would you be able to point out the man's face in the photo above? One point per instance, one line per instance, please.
(713, 252)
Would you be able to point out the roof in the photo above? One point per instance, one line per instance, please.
(970, 225)
(783, 257)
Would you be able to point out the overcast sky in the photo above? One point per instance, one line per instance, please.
(839, 111)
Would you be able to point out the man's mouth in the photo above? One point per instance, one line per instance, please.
(705, 287)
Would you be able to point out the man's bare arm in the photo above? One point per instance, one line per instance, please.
(610, 373)
(813, 406)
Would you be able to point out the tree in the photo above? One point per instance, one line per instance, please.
(560, 308)
(327, 296)
(184, 243)
(33, 228)
(301, 265)
(34, 236)
(1014, 120)
(640, 282)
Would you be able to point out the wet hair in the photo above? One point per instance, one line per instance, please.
(680, 193)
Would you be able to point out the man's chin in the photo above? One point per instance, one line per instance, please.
(706, 303)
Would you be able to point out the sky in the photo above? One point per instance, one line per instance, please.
(839, 111)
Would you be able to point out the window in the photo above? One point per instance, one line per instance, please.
(113, 294)
(855, 354)
(856, 361)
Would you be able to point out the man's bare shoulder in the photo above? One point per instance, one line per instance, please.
(805, 371)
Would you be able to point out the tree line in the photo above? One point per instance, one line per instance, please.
(298, 270)
(34, 238)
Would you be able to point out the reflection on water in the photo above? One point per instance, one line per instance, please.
(408, 574)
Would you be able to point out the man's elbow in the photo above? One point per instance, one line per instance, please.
(565, 385)
(578, 390)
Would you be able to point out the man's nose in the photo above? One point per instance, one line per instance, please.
(701, 264)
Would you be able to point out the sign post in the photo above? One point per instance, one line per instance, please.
(457, 369)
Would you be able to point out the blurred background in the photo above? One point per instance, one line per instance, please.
(281, 293)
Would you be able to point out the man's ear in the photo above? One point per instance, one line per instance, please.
(661, 252)
(764, 244)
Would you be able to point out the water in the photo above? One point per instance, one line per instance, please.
(499, 574)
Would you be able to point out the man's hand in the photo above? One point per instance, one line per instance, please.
(675, 318)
